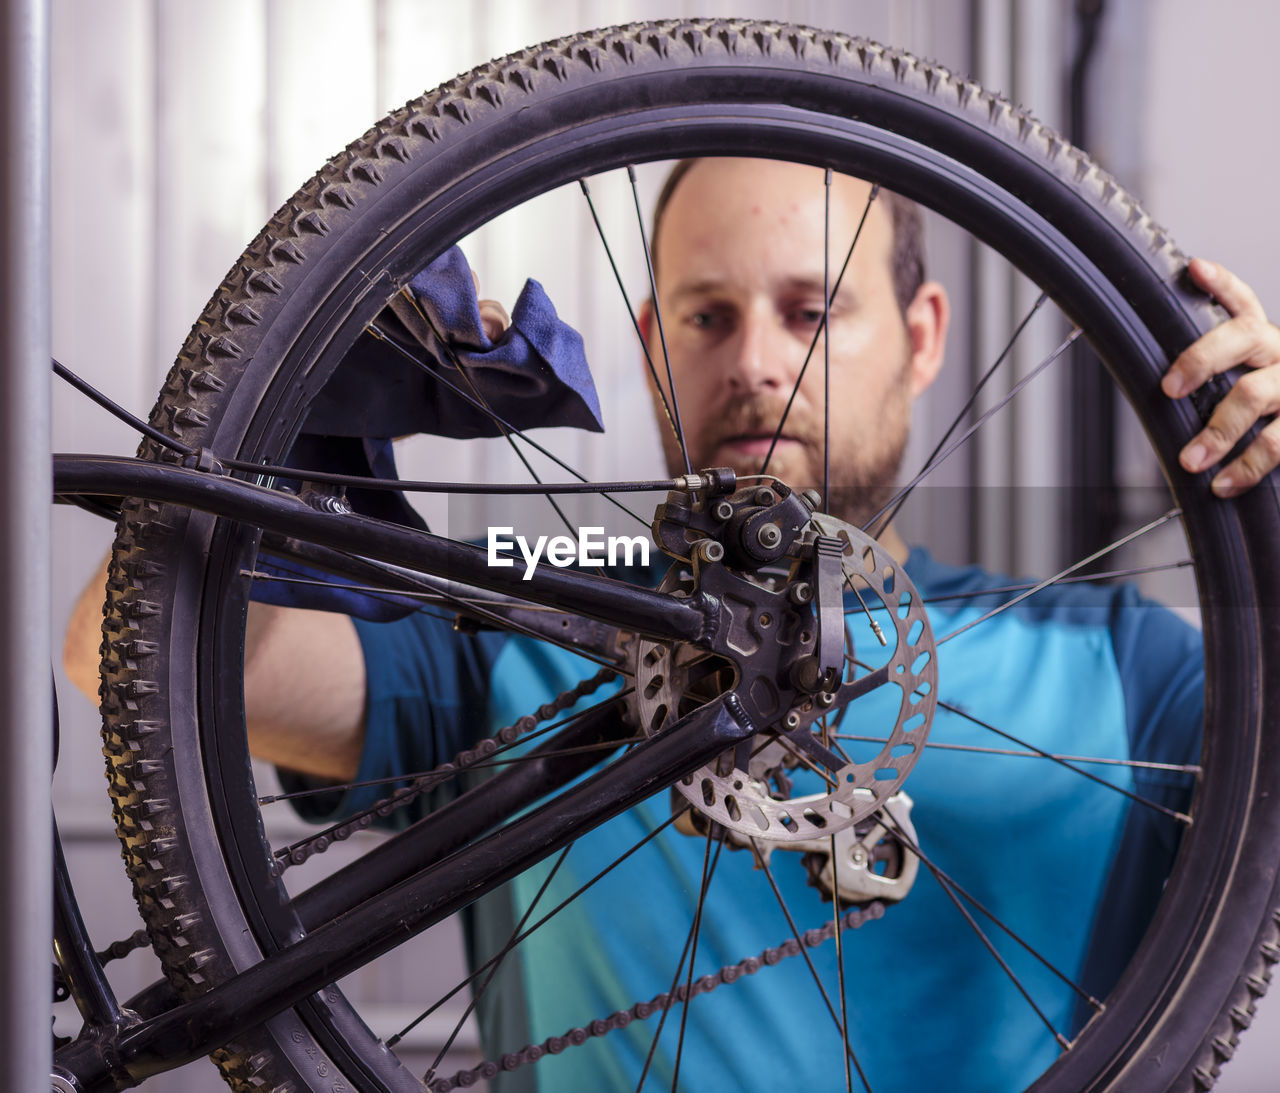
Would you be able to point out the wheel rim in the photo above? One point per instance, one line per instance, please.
(1235, 645)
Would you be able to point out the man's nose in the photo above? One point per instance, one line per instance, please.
(765, 356)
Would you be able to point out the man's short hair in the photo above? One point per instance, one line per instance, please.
(905, 219)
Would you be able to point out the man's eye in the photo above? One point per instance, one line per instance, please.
(704, 320)
(809, 316)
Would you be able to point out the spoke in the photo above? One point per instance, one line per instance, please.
(1032, 586)
(463, 984)
(662, 1019)
(1062, 1041)
(822, 326)
(389, 594)
(486, 610)
(896, 500)
(1077, 578)
(476, 995)
(520, 455)
(707, 873)
(386, 595)
(1159, 521)
(828, 736)
(581, 749)
(805, 761)
(631, 312)
(508, 430)
(973, 398)
(406, 485)
(436, 776)
(949, 882)
(1138, 764)
(684, 955)
(763, 864)
(657, 318)
(844, 998)
(296, 853)
(1179, 817)
(826, 380)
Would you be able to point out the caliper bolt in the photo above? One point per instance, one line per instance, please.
(800, 593)
(722, 510)
(769, 535)
(806, 675)
(826, 699)
(792, 720)
(812, 498)
(764, 496)
(708, 550)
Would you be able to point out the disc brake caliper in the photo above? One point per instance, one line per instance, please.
(777, 574)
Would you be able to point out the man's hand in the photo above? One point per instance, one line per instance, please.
(1247, 339)
(493, 316)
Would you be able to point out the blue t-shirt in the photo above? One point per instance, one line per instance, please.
(1068, 863)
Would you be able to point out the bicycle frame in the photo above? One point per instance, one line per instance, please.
(354, 917)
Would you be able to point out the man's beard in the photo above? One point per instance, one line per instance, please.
(863, 474)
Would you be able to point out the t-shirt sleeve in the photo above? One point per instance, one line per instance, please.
(427, 697)
(1160, 658)
(1160, 661)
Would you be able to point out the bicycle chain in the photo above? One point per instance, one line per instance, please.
(554, 1045)
(117, 950)
(300, 852)
(318, 843)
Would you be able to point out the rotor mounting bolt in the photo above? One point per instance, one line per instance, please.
(806, 676)
(826, 699)
(800, 593)
(769, 535)
(792, 720)
(708, 550)
(722, 510)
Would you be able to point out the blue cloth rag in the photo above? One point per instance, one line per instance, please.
(534, 375)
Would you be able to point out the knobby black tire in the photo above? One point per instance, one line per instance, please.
(432, 171)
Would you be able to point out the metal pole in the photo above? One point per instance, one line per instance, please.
(26, 744)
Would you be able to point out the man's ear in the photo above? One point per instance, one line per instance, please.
(927, 318)
(649, 332)
(644, 320)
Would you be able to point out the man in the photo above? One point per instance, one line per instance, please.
(742, 300)
(336, 699)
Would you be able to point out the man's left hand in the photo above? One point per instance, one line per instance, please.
(1247, 339)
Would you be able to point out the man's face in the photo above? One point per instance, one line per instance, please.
(740, 285)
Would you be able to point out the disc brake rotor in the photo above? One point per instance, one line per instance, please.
(887, 695)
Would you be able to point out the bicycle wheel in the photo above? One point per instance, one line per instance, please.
(325, 267)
